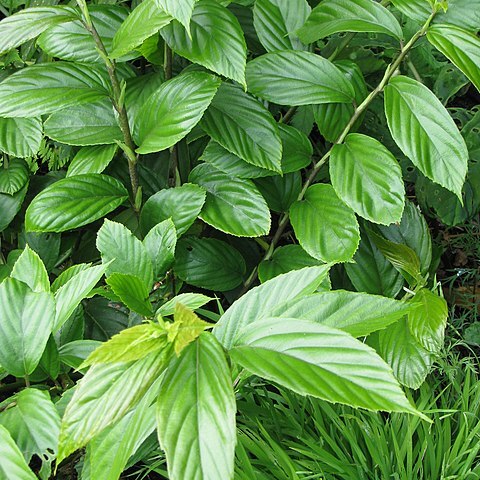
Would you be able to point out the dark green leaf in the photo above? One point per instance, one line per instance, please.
(14, 176)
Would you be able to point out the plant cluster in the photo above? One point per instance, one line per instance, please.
(193, 192)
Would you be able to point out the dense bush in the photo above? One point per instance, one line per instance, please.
(238, 172)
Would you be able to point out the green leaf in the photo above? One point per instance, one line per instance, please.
(196, 413)
(173, 110)
(47, 87)
(180, 10)
(418, 10)
(72, 41)
(460, 46)
(409, 360)
(276, 22)
(181, 204)
(280, 192)
(215, 40)
(358, 314)
(132, 291)
(14, 176)
(67, 275)
(335, 16)
(12, 463)
(312, 359)
(209, 263)
(160, 245)
(31, 22)
(74, 353)
(34, 423)
(146, 20)
(368, 178)
(91, 124)
(297, 78)
(425, 132)
(72, 292)
(30, 270)
(189, 300)
(325, 227)
(284, 260)
(20, 137)
(260, 301)
(427, 322)
(462, 13)
(104, 395)
(372, 272)
(27, 320)
(10, 205)
(124, 252)
(297, 149)
(91, 159)
(130, 344)
(233, 205)
(229, 163)
(229, 122)
(74, 202)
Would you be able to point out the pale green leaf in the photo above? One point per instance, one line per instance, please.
(27, 320)
(20, 137)
(160, 244)
(368, 178)
(14, 175)
(30, 269)
(335, 16)
(196, 414)
(74, 202)
(324, 225)
(215, 41)
(91, 159)
(12, 463)
(67, 275)
(190, 300)
(132, 291)
(173, 110)
(297, 78)
(180, 10)
(229, 122)
(260, 301)
(425, 132)
(233, 205)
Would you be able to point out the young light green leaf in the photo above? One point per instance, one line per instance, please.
(276, 22)
(124, 252)
(173, 110)
(27, 320)
(460, 46)
(146, 20)
(31, 22)
(322, 223)
(409, 360)
(34, 424)
(130, 344)
(30, 270)
(72, 41)
(297, 78)
(229, 122)
(104, 395)
(132, 291)
(358, 314)
(427, 322)
(260, 301)
(74, 202)
(368, 178)
(72, 292)
(180, 10)
(209, 263)
(189, 300)
(91, 159)
(425, 132)
(48, 87)
(90, 124)
(14, 176)
(233, 205)
(196, 413)
(312, 359)
(160, 245)
(12, 463)
(181, 204)
(215, 40)
(20, 137)
(335, 16)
